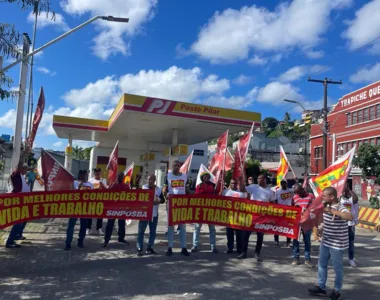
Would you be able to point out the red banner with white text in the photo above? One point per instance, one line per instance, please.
(236, 213)
(109, 204)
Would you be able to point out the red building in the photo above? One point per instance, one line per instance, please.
(354, 120)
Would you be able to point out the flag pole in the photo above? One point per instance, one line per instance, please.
(288, 162)
(224, 165)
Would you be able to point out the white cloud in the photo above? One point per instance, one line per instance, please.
(46, 71)
(229, 102)
(8, 120)
(174, 83)
(364, 27)
(232, 34)
(242, 79)
(275, 91)
(297, 72)
(315, 54)
(58, 144)
(101, 91)
(45, 20)
(111, 39)
(257, 60)
(366, 74)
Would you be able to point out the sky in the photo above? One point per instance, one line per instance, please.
(239, 54)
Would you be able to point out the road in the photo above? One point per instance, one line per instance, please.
(42, 270)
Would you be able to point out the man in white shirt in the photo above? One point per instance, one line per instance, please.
(176, 184)
(81, 184)
(258, 192)
(284, 196)
(99, 183)
(158, 199)
(350, 201)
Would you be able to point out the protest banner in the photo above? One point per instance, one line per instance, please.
(236, 213)
(110, 204)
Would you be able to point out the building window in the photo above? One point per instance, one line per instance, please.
(373, 142)
(378, 141)
(199, 152)
(344, 148)
(318, 152)
(378, 111)
(372, 113)
(349, 119)
(354, 118)
(360, 143)
(349, 146)
(360, 116)
(194, 171)
(366, 115)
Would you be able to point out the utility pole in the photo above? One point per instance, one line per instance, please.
(325, 83)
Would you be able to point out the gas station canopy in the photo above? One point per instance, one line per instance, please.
(139, 120)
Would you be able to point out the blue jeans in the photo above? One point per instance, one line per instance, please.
(337, 261)
(296, 245)
(152, 233)
(351, 239)
(70, 230)
(197, 231)
(182, 235)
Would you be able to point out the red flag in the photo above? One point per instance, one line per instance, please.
(186, 165)
(241, 155)
(56, 177)
(37, 118)
(128, 174)
(219, 158)
(313, 215)
(113, 164)
(229, 161)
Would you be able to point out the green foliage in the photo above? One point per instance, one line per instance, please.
(368, 159)
(1, 166)
(80, 153)
(252, 167)
(374, 202)
(227, 177)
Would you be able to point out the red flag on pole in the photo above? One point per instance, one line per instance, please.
(218, 160)
(113, 164)
(37, 118)
(128, 174)
(241, 152)
(55, 176)
(186, 165)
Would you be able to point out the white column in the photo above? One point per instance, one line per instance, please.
(20, 105)
(333, 147)
(69, 154)
(174, 143)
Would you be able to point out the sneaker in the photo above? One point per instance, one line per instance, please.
(169, 252)
(150, 251)
(20, 238)
(88, 231)
(184, 252)
(334, 295)
(295, 262)
(309, 263)
(100, 232)
(67, 248)
(105, 244)
(276, 244)
(214, 250)
(229, 251)
(352, 263)
(178, 232)
(289, 245)
(258, 257)
(12, 246)
(317, 291)
(139, 252)
(242, 256)
(80, 245)
(123, 242)
(194, 249)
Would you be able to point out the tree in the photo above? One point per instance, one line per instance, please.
(287, 117)
(368, 159)
(10, 40)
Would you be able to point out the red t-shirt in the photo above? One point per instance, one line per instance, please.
(205, 188)
(304, 201)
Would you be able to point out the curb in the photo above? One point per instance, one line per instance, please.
(368, 218)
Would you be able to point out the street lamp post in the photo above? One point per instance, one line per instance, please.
(24, 70)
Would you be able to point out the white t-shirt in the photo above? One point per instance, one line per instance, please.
(96, 183)
(176, 183)
(235, 194)
(85, 185)
(25, 187)
(259, 193)
(157, 193)
(352, 207)
(284, 197)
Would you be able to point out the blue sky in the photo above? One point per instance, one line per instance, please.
(238, 54)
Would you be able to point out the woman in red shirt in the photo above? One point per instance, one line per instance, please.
(205, 187)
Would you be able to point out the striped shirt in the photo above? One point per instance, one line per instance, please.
(303, 202)
(335, 229)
